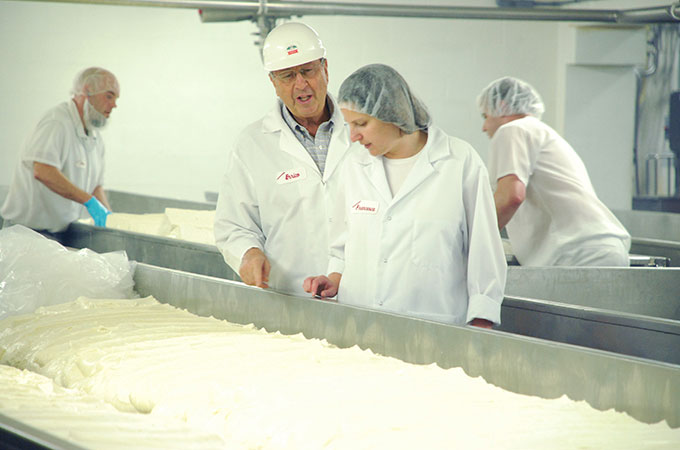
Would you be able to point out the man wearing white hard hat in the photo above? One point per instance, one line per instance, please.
(60, 173)
(274, 212)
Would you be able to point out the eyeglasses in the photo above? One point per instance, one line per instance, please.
(289, 75)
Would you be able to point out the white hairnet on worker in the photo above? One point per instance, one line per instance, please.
(379, 91)
(97, 80)
(509, 96)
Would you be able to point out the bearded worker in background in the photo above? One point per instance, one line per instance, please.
(59, 176)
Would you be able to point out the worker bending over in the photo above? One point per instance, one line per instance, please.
(544, 197)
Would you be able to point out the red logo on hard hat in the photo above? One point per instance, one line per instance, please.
(292, 49)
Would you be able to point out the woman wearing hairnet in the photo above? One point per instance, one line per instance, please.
(543, 194)
(420, 233)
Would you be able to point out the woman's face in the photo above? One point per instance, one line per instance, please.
(380, 138)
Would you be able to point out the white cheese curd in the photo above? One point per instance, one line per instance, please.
(255, 389)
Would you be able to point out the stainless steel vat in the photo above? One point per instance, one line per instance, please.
(643, 291)
(125, 202)
(646, 389)
(643, 388)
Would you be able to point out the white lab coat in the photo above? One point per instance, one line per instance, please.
(273, 197)
(433, 251)
(58, 140)
(561, 221)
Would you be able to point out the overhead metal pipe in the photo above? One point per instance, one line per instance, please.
(287, 9)
(225, 10)
(659, 14)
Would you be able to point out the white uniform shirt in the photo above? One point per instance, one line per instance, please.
(431, 251)
(274, 197)
(58, 140)
(561, 210)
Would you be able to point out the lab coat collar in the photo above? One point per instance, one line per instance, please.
(273, 122)
(340, 142)
(436, 148)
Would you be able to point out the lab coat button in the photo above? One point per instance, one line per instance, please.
(388, 218)
(385, 261)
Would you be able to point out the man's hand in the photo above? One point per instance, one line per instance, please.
(97, 211)
(323, 286)
(254, 270)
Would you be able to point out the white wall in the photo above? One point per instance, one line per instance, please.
(187, 88)
(608, 94)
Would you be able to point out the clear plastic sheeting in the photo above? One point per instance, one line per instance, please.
(36, 271)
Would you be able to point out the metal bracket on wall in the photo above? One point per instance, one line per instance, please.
(265, 23)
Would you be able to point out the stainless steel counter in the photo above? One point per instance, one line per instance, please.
(646, 389)
(658, 247)
(188, 256)
(160, 251)
(126, 202)
(650, 224)
(653, 233)
(645, 291)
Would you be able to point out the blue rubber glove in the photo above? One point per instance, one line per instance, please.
(97, 211)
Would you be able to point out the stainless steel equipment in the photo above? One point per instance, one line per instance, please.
(669, 250)
(614, 331)
(637, 258)
(625, 310)
(653, 233)
(161, 251)
(650, 224)
(645, 389)
(641, 291)
(198, 258)
(206, 259)
(660, 174)
(156, 250)
(125, 202)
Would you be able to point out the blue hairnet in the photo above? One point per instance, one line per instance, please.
(508, 96)
(379, 91)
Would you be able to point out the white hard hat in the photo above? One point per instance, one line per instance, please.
(291, 44)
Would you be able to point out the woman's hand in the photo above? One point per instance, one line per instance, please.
(481, 323)
(323, 286)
